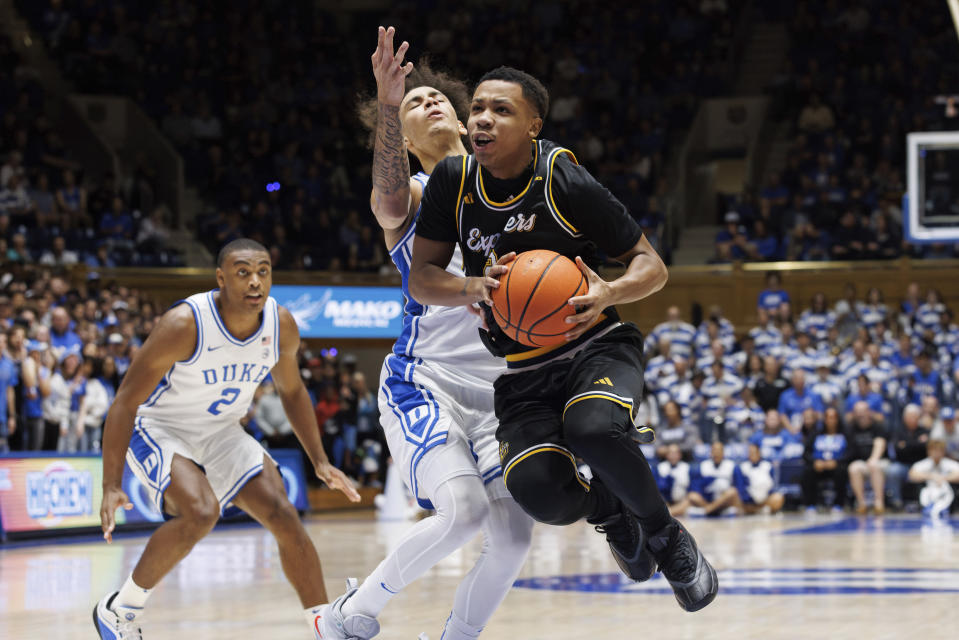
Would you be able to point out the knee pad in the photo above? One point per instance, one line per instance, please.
(546, 484)
(589, 422)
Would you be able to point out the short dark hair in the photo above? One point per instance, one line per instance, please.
(533, 90)
(240, 244)
(422, 75)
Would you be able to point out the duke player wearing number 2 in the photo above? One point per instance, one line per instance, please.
(176, 420)
(435, 398)
(517, 193)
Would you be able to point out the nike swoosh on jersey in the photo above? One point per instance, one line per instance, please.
(213, 348)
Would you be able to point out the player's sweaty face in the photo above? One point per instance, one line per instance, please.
(247, 277)
(425, 111)
(501, 124)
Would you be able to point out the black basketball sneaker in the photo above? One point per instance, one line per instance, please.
(693, 579)
(627, 541)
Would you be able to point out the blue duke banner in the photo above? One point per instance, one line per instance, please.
(343, 312)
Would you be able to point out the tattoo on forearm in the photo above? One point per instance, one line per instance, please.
(465, 282)
(391, 165)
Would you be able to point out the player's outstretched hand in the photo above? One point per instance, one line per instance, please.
(388, 68)
(113, 499)
(589, 305)
(336, 479)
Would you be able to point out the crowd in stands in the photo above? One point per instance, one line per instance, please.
(48, 214)
(860, 75)
(260, 97)
(64, 349)
(853, 396)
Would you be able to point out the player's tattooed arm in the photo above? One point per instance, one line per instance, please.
(392, 200)
(391, 164)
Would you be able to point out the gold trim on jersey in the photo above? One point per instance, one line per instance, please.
(459, 195)
(541, 351)
(550, 203)
(512, 201)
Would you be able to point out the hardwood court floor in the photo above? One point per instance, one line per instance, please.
(781, 577)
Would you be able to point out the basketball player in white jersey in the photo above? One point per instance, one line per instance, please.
(435, 397)
(176, 420)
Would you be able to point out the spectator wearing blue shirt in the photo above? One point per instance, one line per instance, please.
(864, 393)
(927, 315)
(874, 311)
(116, 225)
(910, 303)
(825, 385)
(36, 387)
(773, 296)
(742, 417)
(713, 486)
(680, 335)
(903, 360)
(926, 381)
(673, 480)
(756, 484)
(766, 244)
(62, 336)
(826, 462)
(660, 370)
(795, 400)
(766, 336)
(775, 442)
(719, 387)
(818, 319)
(8, 400)
(118, 350)
(711, 344)
(732, 242)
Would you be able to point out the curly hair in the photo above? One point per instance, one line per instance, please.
(423, 75)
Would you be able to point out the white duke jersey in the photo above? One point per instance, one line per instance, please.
(444, 336)
(713, 479)
(214, 388)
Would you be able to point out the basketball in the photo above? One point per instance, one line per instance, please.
(532, 301)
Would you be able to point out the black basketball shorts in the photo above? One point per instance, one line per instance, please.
(530, 405)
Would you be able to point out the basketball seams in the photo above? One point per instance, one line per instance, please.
(532, 292)
(509, 273)
(536, 292)
(579, 284)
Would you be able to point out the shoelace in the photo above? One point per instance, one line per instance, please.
(620, 534)
(128, 629)
(680, 562)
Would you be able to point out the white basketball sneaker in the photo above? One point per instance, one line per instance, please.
(333, 625)
(118, 623)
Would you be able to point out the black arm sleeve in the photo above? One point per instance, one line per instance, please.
(437, 219)
(592, 209)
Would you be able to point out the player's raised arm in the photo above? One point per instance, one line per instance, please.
(173, 339)
(395, 195)
(299, 409)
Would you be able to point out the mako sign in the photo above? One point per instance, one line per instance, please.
(343, 312)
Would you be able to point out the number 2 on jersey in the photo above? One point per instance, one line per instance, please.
(229, 396)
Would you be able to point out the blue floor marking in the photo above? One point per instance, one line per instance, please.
(871, 524)
(773, 581)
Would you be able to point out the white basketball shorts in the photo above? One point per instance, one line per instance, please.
(438, 428)
(229, 457)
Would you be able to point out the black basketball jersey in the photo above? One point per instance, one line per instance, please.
(561, 207)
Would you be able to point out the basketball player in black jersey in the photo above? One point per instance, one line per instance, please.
(517, 193)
